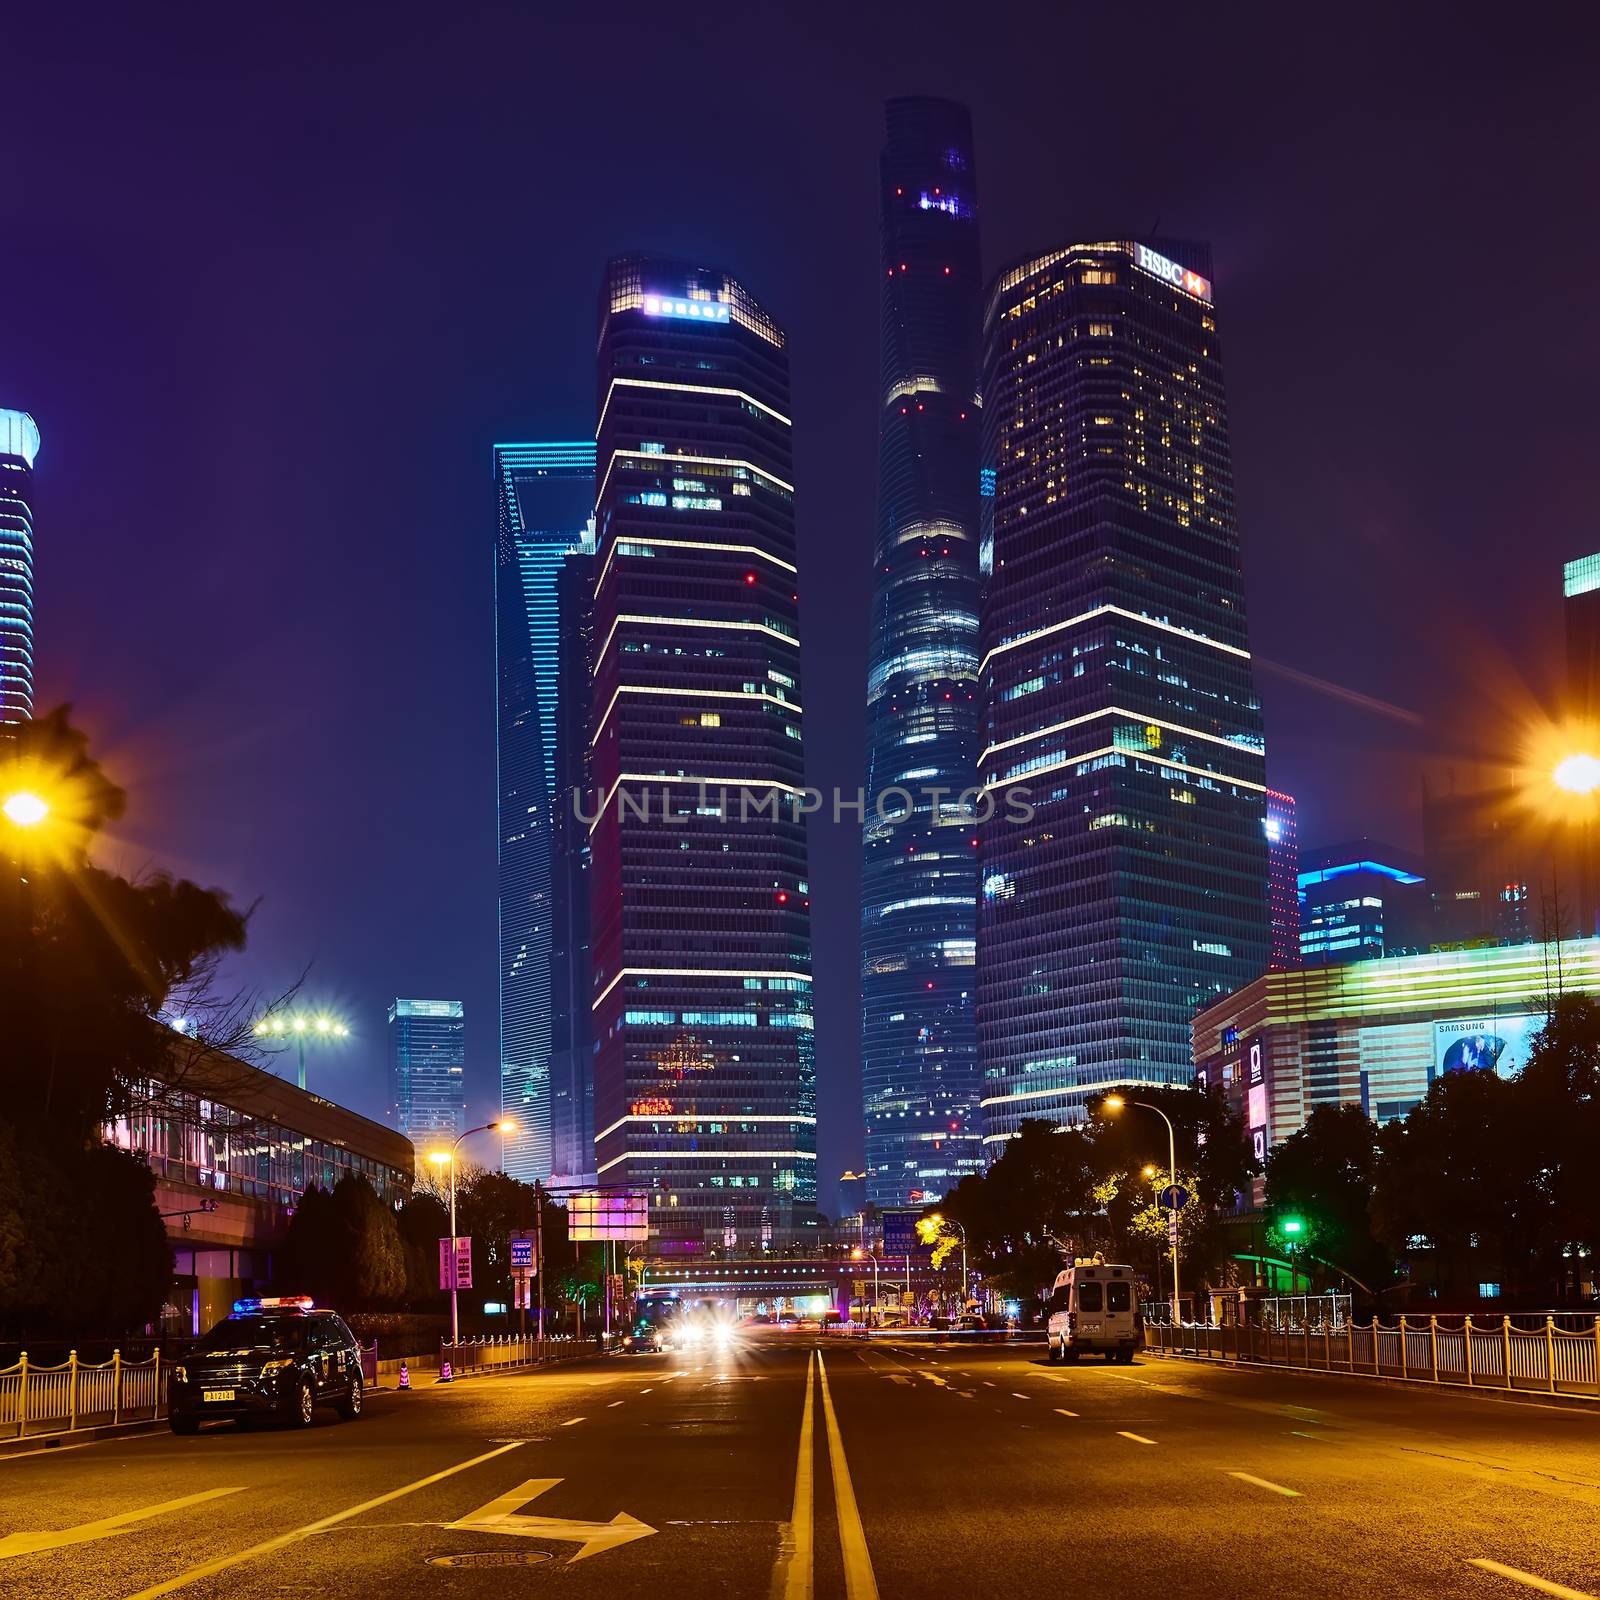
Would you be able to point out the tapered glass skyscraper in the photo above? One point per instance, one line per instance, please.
(701, 931)
(919, 888)
(1124, 869)
(19, 448)
(546, 498)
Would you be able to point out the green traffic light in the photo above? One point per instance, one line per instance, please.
(1291, 1224)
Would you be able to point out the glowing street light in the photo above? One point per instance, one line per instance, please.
(1578, 773)
(1115, 1103)
(300, 1026)
(25, 808)
(861, 1253)
(447, 1158)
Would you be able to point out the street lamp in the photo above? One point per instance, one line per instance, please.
(302, 1027)
(860, 1253)
(1114, 1103)
(447, 1158)
(940, 1221)
(25, 809)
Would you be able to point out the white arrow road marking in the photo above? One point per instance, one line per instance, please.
(503, 1515)
(27, 1544)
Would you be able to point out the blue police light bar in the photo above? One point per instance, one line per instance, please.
(666, 305)
(276, 1302)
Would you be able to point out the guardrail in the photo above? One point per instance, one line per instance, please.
(510, 1350)
(1544, 1359)
(79, 1394)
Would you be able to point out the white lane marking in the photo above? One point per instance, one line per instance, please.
(31, 1543)
(1531, 1580)
(1265, 1483)
(504, 1514)
(294, 1535)
(987, 1384)
(1321, 1438)
(899, 1377)
(614, 1403)
(1061, 1413)
(572, 1422)
(647, 1391)
(1016, 1396)
(1138, 1438)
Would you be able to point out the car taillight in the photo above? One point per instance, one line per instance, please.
(1072, 1321)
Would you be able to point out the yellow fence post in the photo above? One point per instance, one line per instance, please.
(22, 1389)
(1404, 1371)
(1550, 1353)
(155, 1408)
(1505, 1334)
(1466, 1345)
(1433, 1343)
(116, 1386)
(1377, 1365)
(72, 1390)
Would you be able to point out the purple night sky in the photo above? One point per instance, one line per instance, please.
(275, 283)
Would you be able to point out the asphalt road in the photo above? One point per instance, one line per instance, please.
(891, 1469)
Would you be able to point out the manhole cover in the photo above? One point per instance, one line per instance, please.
(493, 1558)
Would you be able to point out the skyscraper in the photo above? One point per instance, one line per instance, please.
(705, 1088)
(19, 448)
(1283, 882)
(427, 1055)
(919, 882)
(1124, 866)
(571, 1054)
(1360, 901)
(546, 494)
(1580, 591)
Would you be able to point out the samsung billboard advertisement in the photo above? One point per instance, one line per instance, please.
(1481, 1044)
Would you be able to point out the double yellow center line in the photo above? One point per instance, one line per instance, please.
(795, 1575)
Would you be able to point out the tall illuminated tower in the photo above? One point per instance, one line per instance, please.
(19, 448)
(919, 883)
(546, 500)
(427, 1061)
(1125, 868)
(701, 924)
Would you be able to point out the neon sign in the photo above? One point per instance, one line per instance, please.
(662, 305)
(1171, 272)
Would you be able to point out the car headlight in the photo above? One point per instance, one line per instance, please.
(180, 1374)
(281, 1364)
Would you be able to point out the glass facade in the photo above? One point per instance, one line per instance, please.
(427, 1053)
(1359, 901)
(1124, 866)
(19, 448)
(546, 501)
(571, 1045)
(919, 880)
(1283, 881)
(705, 1088)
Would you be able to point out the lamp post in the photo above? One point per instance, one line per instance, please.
(447, 1158)
(301, 1026)
(941, 1221)
(859, 1253)
(1115, 1102)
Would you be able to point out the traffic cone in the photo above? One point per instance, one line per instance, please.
(405, 1378)
(444, 1372)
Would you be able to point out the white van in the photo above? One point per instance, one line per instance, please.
(1095, 1307)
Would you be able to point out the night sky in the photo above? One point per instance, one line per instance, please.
(274, 283)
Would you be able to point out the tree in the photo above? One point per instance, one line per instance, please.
(1324, 1175)
(422, 1222)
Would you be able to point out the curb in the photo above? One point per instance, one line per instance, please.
(32, 1444)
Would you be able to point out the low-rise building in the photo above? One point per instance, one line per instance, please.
(233, 1148)
(1377, 1033)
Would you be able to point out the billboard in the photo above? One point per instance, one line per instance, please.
(608, 1214)
(1479, 1044)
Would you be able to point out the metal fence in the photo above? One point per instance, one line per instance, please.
(1441, 1350)
(38, 1399)
(474, 1355)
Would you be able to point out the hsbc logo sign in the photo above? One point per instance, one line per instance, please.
(1171, 272)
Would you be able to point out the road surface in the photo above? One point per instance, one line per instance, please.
(890, 1470)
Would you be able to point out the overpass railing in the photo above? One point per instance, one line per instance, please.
(1446, 1351)
(77, 1394)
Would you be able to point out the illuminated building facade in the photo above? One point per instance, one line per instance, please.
(1360, 901)
(1283, 882)
(705, 1087)
(427, 1065)
(571, 1057)
(919, 878)
(19, 449)
(1580, 589)
(546, 502)
(1124, 867)
(1377, 1033)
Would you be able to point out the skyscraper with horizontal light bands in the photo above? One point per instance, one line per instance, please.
(1124, 871)
(705, 1088)
(919, 879)
(546, 502)
(19, 449)
(427, 1066)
